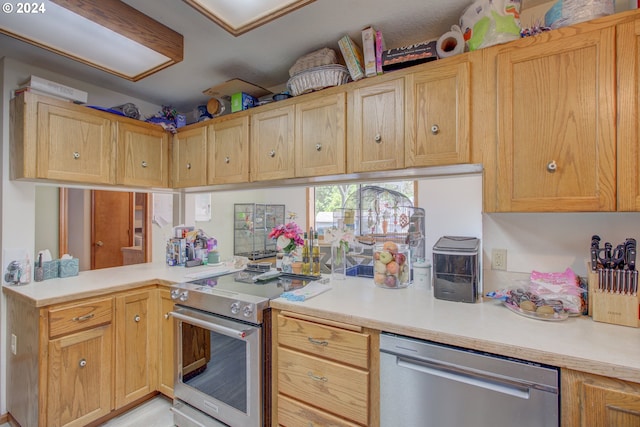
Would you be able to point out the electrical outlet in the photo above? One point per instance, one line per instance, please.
(498, 259)
(14, 344)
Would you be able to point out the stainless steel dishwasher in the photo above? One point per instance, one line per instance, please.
(425, 384)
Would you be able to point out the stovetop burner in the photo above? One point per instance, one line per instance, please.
(236, 295)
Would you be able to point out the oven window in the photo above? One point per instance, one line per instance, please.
(215, 364)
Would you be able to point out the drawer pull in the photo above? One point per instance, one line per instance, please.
(136, 318)
(378, 138)
(83, 318)
(318, 342)
(552, 166)
(144, 164)
(435, 129)
(272, 153)
(83, 363)
(318, 147)
(76, 155)
(317, 378)
(167, 315)
(227, 159)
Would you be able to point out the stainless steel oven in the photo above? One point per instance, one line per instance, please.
(219, 370)
(223, 348)
(221, 355)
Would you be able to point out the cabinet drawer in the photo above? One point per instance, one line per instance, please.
(324, 341)
(292, 413)
(333, 387)
(72, 318)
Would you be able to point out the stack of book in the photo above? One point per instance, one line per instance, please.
(366, 61)
(40, 86)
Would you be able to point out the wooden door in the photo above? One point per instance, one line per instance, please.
(272, 144)
(556, 119)
(74, 145)
(143, 155)
(628, 157)
(111, 227)
(438, 124)
(320, 136)
(376, 127)
(228, 151)
(190, 158)
(135, 347)
(79, 377)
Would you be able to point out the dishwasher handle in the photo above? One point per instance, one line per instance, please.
(461, 375)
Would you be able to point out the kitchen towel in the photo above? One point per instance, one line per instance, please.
(306, 292)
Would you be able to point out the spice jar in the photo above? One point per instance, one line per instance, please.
(391, 265)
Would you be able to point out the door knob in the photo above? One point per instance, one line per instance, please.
(100, 243)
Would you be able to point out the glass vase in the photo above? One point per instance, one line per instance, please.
(287, 261)
(338, 262)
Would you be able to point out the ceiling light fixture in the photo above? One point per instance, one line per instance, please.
(240, 16)
(106, 34)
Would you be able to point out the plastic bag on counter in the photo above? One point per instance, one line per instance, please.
(556, 292)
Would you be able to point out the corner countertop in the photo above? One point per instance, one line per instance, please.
(577, 343)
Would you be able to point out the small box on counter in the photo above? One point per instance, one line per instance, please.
(401, 57)
(69, 267)
(50, 269)
(242, 101)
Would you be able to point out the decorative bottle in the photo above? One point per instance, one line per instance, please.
(315, 257)
(306, 264)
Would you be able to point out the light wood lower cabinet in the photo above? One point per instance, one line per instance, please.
(165, 344)
(75, 363)
(325, 373)
(592, 400)
(136, 354)
(79, 363)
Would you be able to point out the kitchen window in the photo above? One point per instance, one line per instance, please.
(330, 199)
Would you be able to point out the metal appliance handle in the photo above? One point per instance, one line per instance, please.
(234, 333)
(467, 377)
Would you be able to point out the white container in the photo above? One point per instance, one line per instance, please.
(422, 275)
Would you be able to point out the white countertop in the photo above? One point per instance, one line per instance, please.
(576, 343)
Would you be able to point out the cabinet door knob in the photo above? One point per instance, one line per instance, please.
(318, 147)
(136, 318)
(99, 243)
(435, 129)
(144, 164)
(188, 165)
(272, 153)
(227, 159)
(378, 138)
(76, 155)
(166, 315)
(552, 166)
(83, 363)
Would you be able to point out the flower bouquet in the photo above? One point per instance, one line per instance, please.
(288, 237)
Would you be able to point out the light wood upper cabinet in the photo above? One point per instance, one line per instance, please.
(143, 155)
(136, 347)
(628, 156)
(189, 156)
(556, 131)
(592, 400)
(272, 144)
(58, 140)
(228, 151)
(438, 118)
(320, 136)
(376, 127)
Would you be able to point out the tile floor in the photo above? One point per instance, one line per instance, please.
(152, 413)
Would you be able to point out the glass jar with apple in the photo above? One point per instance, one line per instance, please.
(391, 265)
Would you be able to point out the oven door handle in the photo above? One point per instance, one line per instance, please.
(236, 333)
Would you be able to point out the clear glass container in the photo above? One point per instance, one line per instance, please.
(391, 265)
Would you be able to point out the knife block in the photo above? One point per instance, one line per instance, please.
(610, 307)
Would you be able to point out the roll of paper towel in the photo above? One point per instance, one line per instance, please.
(450, 43)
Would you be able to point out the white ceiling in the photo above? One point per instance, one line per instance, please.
(261, 56)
